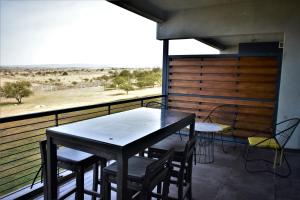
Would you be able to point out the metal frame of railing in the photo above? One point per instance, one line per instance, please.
(15, 130)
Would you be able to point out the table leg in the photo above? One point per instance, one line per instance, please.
(122, 177)
(192, 129)
(51, 169)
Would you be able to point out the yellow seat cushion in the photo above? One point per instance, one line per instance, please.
(270, 143)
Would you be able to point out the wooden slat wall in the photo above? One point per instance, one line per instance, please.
(199, 84)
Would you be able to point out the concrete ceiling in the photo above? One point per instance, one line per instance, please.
(230, 41)
(159, 10)
(162, 11)
(177, 5)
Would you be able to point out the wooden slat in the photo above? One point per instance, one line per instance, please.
(263, 87)
(247, 133)
(223, 69)
(252, 126)
(242, 62)
(267, 112)
(244, 118)
(225, 77)
(223, 101)
(258, 61)
(197, 62)
(223, 93)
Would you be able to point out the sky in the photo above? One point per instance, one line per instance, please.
(92, 32)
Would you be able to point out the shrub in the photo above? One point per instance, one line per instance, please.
(17, 90)
(65, 73)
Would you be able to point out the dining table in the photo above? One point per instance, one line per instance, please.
(117, 136)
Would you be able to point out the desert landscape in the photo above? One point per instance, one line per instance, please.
(56, 88)
(36, 89)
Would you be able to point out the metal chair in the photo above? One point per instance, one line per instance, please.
(156, 104)
(144, 174)
(277, 142)
(224, 116)
(182, 164)
(171, 141)
(78, 162)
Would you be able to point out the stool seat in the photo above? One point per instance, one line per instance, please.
(173, 141)
(75, 157)
(182, 167)
(136, 168)
(144, 174)
(77, 162)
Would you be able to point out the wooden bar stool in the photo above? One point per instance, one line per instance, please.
(78, 162)
(182, 164)
(144, 174)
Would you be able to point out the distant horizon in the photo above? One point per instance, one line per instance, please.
(76, 66)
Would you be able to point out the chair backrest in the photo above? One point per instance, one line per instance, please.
(189, 150)
(43, 144)
(158, 171)
(285, 129)
(156, 104)
(186, 164)
(223, 114)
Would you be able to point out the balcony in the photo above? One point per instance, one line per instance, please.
(226, 177)
(255, 76)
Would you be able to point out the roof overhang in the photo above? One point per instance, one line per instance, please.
(221, 24)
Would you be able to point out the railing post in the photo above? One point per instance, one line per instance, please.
(165, 70)
(56, 119)
(109, 109)
(142, 103)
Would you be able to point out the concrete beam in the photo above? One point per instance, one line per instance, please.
(249, 17)
(143, 8)
(213, 43)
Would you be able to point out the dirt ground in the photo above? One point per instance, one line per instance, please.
(43, 101)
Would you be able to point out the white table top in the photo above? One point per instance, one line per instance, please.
(210, 127)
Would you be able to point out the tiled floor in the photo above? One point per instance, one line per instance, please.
(226, 178)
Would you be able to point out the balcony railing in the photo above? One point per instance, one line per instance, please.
(19, 136)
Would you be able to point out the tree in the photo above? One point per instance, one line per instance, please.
(147, 79)
(17, 90)
(125, 73)
(156, 70)
(105, 80)
(117, 81)
(126, 85)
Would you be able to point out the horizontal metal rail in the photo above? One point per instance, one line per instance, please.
(32, 167)
(39, 122)
(16, 142)
(22, 139)
(18, 146)
(18, 160)
(68, 117)
(67, 110)
(26, 131)
(36, 148)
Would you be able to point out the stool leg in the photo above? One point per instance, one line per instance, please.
(159, 189)
(106, 187)
(95, 178)
(80, 184)
(102, 165)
